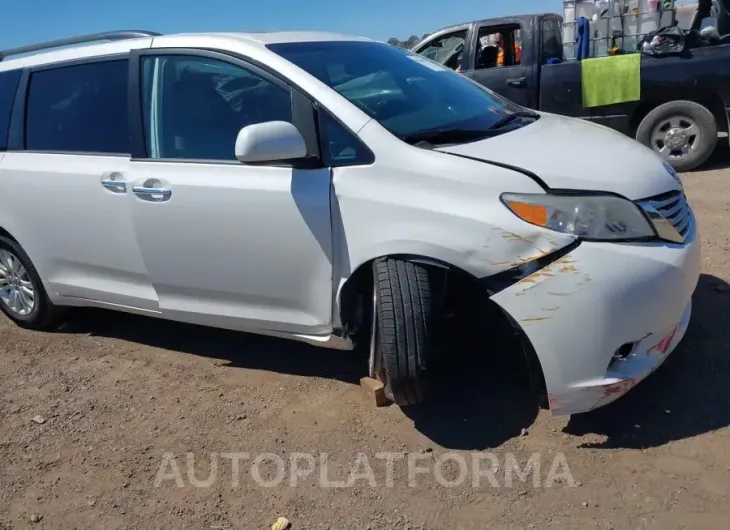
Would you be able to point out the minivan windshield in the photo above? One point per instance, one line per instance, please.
(413, 97)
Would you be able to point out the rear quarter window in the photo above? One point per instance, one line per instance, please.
(8, 86)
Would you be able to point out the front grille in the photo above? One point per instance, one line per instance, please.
(671, 215)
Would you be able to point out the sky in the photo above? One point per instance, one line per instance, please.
(31, 21)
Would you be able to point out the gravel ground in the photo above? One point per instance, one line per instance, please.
(97, 422)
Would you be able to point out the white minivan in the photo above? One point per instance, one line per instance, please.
(338, 191)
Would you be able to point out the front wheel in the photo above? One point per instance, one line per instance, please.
(684, 133)
(22, 296)
(402, 331)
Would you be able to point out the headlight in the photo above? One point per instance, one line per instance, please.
(602, 217)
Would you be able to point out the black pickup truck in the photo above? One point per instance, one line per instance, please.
(684, 103)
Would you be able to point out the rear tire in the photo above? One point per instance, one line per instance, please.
(34, 311)
(690, 120)
(403, 334)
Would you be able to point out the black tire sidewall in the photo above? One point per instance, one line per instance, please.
(688, 109)
(42, 308)
(405, 341)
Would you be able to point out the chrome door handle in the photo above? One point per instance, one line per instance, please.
(114, 181)
(117, 186)
(517, 81)
(145, 192)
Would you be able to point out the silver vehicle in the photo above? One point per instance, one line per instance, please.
(334, 190)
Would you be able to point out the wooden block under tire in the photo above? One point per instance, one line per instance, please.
(374, 391)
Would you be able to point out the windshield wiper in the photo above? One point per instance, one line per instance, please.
(445, 136)
(509, 118)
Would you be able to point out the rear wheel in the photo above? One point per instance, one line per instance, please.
(22, 296)
(402, 331)
(684, 133)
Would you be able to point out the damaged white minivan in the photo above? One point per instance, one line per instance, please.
(337, 191)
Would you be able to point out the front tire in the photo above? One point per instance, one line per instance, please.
(22, 296)
(684, 133)
(403, 333)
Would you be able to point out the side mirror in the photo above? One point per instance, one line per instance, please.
(271, 141)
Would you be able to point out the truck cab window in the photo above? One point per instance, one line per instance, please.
(446, 49)
(498, 47)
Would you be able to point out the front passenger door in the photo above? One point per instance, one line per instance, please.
(225, 244)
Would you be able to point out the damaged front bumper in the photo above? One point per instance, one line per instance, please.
(604, 316)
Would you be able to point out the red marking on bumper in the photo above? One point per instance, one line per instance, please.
(619, 388)
(663, 345)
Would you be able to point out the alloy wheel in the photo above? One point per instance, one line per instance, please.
(675, 138)
(17, 292)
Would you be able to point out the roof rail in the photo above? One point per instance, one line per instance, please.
(83, 39)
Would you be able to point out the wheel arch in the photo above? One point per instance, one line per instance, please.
(710, 100)
(32, 253)
(357, 288)
(5, 233)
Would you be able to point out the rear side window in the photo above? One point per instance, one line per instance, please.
(80, 109)
(552, 41)
(8, 86)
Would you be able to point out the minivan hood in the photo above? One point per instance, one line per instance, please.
(569, 153)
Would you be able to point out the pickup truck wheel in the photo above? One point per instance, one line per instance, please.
(22, 296)
(403, 332)
(684, 133)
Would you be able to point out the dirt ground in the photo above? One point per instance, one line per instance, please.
(89, 413)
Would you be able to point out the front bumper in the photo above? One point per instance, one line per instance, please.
(580, 310)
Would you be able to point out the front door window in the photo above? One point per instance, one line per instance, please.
(194, 107)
